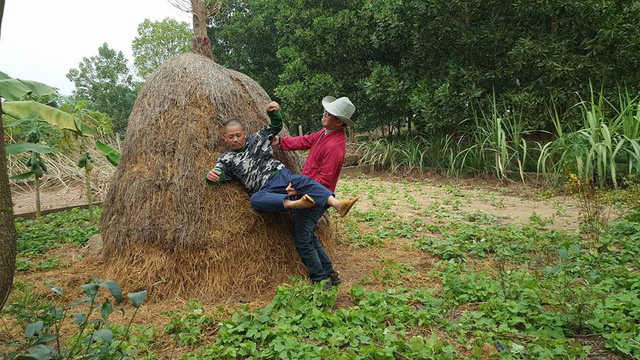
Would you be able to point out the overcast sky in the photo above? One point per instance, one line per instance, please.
(42, 39)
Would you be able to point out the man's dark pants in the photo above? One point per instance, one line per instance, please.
(272, 194)
(309, 247)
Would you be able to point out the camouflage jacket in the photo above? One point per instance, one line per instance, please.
(254, 164)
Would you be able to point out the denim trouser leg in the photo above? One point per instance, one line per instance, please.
(272, 194)
(309, 247)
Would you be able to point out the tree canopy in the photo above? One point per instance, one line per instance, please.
(157, 41)
(430, 62)
(106, 81)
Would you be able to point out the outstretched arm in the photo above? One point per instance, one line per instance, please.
(303, 142)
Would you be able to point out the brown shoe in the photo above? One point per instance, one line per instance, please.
(346, 205)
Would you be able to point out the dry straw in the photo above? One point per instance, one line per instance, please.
(162, 224)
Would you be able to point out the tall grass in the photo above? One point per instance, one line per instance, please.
(604, 150)
(408, 153)
(497, 144)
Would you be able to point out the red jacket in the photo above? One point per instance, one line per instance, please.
(325, 157)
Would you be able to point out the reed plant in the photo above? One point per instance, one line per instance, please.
(409, 153)
(496, 144)
(604, 150)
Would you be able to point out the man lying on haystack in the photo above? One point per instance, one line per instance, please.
(272, 186)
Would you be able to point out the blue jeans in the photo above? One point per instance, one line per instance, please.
(271, 195)
(309, 247)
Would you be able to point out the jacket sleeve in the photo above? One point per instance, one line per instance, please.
(223, 176)
(303, 142)
(274, 126)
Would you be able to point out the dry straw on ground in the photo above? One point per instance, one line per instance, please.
(162, 224)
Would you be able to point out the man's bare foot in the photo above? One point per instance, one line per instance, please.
(305, 202)
(346, 205)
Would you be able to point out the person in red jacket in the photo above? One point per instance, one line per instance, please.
(327, 148)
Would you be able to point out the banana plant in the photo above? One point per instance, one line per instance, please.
(36, 166)
(86, 162)
(28, 112)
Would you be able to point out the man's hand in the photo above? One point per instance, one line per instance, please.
(273, 106)
(213, 175)
(291, 191)
(275, 141)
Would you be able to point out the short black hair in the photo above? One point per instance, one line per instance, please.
(233, 122)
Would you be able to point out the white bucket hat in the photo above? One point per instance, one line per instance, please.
(341, 108)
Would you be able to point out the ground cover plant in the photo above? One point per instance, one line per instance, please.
(37, 237)
(430, 270)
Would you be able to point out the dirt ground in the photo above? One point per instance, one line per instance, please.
(432, 199)
(50, 198)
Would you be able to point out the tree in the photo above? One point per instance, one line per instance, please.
(245, 38)
(106, 82)
(201, 10)
(7, 226)
(157, 41)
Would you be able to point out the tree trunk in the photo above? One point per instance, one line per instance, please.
(87, 179)
(201, 43)
(7, 227)
(37, 185)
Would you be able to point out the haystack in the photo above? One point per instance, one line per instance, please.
(163, 227)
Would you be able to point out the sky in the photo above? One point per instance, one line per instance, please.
(42, 39)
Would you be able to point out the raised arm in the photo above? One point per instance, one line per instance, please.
(275, 117)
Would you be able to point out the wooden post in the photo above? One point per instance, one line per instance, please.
(299, 130)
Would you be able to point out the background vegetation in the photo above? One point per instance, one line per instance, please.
(428, 64)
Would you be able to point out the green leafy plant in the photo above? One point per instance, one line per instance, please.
(92, 339)
(34, 163)
(604, 150)
(112, 155)
(189, 326)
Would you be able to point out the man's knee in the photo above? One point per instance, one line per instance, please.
(256, 201)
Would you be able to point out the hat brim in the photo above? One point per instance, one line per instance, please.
(327, 103)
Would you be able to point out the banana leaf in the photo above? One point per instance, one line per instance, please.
(24, 176)
(55, 117)
(22, 147)
(14, 89)
(112, 155)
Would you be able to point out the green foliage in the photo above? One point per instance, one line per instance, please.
(81, 109)
(188, 326)
(244, 35)
(605, 149)
(458, 241)
(112, 155)
(16, 89)
(36, 111)
(105, 81)
(562, 291)
(426, 63)
(380, 225)
(300, 323)
(36, 237)
(157, 41)
(94, 337)
(410, 153)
